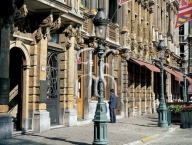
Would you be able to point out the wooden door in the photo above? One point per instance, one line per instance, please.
(80, 97)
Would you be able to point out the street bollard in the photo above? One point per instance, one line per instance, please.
(183, 119)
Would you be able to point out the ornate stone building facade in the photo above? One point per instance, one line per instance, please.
(53, 60)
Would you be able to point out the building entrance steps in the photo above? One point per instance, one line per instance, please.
(126, 131)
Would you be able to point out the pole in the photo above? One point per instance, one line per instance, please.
(185, 84)
(100, 118)
(162, 109)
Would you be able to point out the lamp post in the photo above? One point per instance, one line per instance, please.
(162, 109)
(184, 65)
(100, 119)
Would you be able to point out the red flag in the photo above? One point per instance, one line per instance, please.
(121, 2)
(184, 13)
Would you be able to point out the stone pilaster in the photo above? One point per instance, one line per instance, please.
(132, 18)
(131, 89)
(138, 92)
(41, 116)
(153, 102)
(70, 113)
(143, 76)
(149, 92)
(139, 27)
(168, 88)
(6, 125)
(125, 85)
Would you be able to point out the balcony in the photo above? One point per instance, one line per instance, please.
(183, 39)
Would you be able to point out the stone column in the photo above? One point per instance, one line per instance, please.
(124, 18)
(106, 6)
(171, 19)
(93, 7)
(145, 25)
(159, 16)
(132, 18)
(163, 9)
(139, 27)
(6, 125)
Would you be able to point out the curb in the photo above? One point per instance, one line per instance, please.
(150, 138)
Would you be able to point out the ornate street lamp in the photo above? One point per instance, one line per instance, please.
(100, 118)
(162, 109)
(184, 65)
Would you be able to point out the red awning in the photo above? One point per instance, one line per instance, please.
(147, 65)
(190, 89)
(181, 74)
(177, 77)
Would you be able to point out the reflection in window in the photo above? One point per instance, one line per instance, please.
(79, 88)
(54, 38)
(79, 62)
(93, 62)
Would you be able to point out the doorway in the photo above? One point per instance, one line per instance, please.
(16, 63)
(53, 83)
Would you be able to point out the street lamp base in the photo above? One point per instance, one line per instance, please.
(162, 119)
(100, 133)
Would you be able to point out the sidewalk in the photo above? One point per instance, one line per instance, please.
(126, 131)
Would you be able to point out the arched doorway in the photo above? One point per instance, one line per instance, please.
(17, 61)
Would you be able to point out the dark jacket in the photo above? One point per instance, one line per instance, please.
(112, 101)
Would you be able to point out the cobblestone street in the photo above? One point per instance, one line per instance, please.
(125, 131)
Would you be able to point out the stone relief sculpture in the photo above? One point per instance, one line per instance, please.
(78, 38)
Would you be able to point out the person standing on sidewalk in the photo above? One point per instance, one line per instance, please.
(112, 106)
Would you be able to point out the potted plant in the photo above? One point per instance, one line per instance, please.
(175, 112)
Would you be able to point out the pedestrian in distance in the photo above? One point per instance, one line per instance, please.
(112, 106)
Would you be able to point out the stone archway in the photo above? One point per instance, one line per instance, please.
(23, 54)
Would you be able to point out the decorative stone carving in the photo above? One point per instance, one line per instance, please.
(73, 32)
(56, 25)
(18, 33)
(44, 27)
(152, 51)
(78, 38)
(140, 48)
(38, 34)
(126, 41)
(20, 27)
